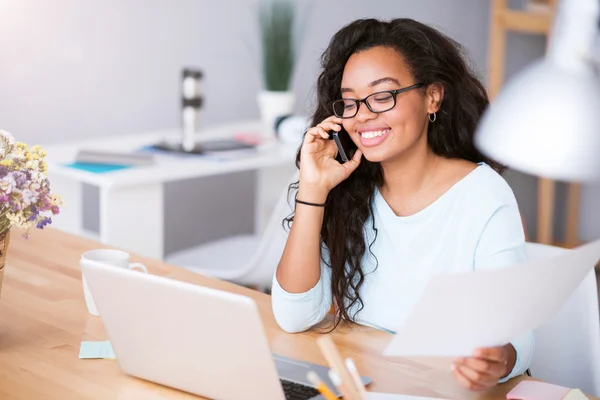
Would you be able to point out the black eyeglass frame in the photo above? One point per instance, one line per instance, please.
(394, 93)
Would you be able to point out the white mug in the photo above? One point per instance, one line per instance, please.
(115, 258)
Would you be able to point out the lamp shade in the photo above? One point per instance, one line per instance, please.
(546, 122)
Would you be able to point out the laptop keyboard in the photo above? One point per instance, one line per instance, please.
(296, 391)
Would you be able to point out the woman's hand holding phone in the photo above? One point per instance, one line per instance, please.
(319, 170)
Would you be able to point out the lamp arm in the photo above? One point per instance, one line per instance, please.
(573, 34)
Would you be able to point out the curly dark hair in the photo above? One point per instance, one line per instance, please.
(432, 58)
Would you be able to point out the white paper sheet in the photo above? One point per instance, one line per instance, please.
(386, 396)
(458, 313)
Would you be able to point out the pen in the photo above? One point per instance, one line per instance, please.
(356, 377)
(314, 379)
(334, 379)
(336, 363)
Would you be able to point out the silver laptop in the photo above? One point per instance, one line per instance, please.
(200, 340)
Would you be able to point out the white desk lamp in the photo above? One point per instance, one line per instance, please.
(546, 120)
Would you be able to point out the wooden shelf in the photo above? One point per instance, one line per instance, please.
(537, 18)
(533, 22)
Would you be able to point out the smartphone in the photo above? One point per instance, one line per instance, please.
(336, 138)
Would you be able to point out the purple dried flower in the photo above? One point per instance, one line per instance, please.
(20, 179)
(24, 189)
(34, 213)
(15, 207)
(7, 183)
(43, 222)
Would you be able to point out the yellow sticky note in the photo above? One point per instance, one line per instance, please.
(575, 394)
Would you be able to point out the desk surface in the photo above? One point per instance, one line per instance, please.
(43, 319)
(168, 167)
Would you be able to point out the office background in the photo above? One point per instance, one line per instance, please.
(73, 69)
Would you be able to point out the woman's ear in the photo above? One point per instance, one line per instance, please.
(435, 95)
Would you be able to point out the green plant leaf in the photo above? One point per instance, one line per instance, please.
(278, 53)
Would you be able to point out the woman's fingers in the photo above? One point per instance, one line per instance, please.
(312, 134)
(489, 367)
(482, 375)
(322, 129)
(464, 381)
(353, 163)
(333, 125)
(497, 354)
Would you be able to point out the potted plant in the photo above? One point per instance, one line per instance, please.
(276, 20)
(25, 197)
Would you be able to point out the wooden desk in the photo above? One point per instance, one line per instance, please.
(43, 319)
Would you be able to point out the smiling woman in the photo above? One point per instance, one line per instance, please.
(377, 102)
(415, 199)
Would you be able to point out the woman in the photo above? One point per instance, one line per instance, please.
(416, 198)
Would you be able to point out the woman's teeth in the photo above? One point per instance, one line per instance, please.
(372, 134)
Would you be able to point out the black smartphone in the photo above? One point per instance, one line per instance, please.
(336, 138)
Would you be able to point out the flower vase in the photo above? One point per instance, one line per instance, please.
(4, 242)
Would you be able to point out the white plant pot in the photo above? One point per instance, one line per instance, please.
(272, 105)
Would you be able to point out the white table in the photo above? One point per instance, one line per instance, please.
(131, 200)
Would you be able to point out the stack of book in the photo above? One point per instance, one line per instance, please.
(106, 161)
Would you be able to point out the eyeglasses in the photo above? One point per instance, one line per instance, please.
(376, 102)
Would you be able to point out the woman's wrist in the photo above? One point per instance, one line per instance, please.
(312, 194)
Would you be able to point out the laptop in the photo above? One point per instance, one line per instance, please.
(196, 339)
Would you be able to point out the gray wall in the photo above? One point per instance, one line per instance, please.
(81, 68)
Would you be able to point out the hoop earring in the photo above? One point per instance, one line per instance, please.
(432, 119)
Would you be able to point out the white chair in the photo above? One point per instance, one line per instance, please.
(248, 260)
(567, 348)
